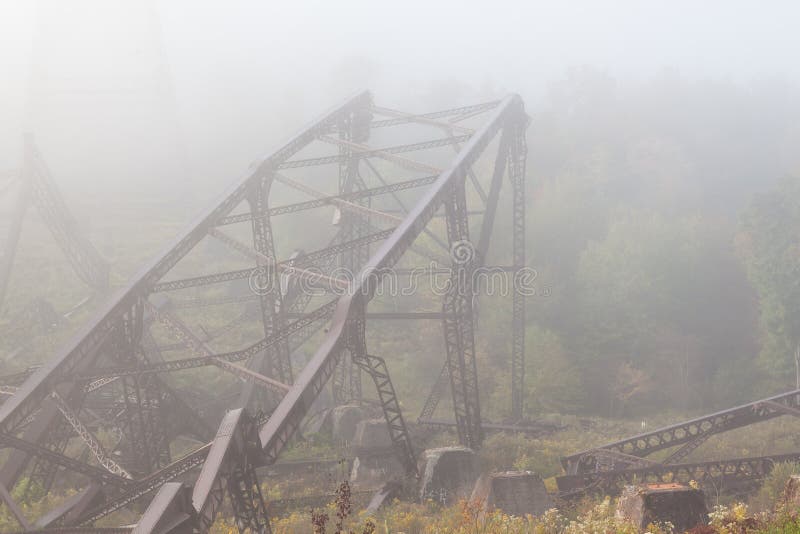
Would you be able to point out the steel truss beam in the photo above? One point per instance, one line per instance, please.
(307, 261)
(94, 473)
(275, 362)
(317, 279)
(94, 446)
(85, 259)
(459, 336)
(43, 470)
(376, 368)
(206, 359)
(343, 158)
(458, 114)
(37, 186)
(230, 467)
(146, 485)
(487, 225)
(687, 432)
(328, 200)
(355, 222)
(425, 120)
(170, 510)
(517, 157)
(719, 475)
(402, 161)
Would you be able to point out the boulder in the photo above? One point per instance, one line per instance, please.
(680, 505)
(448, 474)
(516, 493)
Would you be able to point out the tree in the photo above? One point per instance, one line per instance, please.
(769, 243)
(654, 300)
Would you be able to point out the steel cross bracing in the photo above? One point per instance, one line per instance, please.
(112, 373)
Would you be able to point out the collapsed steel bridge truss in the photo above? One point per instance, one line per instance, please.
(395, 202)
(609, 467)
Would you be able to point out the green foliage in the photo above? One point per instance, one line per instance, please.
(773, 486)
(770, 245)
(650, 297)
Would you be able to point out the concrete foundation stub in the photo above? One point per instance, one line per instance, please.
(376, 470)
(448, 474)
(372, 434)
(344, 420)
(680, 505)
(516, 493)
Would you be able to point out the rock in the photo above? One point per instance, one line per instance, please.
(344, 420)
(448, 474)
(372, 434)
(680, 505)
(516, 493)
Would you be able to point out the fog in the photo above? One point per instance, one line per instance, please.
(152, 98)
(662, 191)
(650, 121)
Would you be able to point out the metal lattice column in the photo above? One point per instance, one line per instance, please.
(276, 361)
(43, 471)
(353, 127)
(376, 368)
(88, 264)
(17, 218)
(517, 157)
(145, 446)
(248, 504)
(435, 395)
(459, 335)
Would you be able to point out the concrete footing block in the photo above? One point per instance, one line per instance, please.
(680, 505)
(518, 493)
(448, 474)
(344, 420)
(372, 434)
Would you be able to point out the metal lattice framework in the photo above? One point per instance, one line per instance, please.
(36, 186)
(395, 202)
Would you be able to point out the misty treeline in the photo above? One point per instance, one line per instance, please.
(665, 223)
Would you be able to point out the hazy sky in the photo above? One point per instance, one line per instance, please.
(241, 64)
